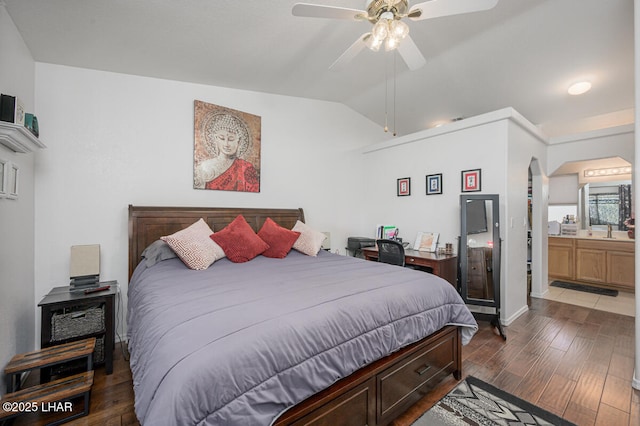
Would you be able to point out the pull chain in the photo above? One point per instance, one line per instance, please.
(395, 55)
(386, 102)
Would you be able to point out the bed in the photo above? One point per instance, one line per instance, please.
(283, 341)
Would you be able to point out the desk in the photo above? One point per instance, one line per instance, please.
(442, 265)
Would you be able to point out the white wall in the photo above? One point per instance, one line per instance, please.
(448, 150)
(525, 144)
(16, 216)
(494, 142)
(559, 213)
(563, 189)
(594, 145)
(117, 139)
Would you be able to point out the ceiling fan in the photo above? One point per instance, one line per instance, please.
(389, 29)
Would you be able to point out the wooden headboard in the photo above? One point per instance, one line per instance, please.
(148, 224)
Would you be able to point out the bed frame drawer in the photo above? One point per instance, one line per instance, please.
(415, 375)
(355, 407)
(385, 389)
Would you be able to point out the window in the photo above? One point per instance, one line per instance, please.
(604, 209)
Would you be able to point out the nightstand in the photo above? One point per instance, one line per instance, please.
(68, 316)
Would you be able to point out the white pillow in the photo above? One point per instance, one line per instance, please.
(194, 246)
(310, 241)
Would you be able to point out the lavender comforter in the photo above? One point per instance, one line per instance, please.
(237, 344)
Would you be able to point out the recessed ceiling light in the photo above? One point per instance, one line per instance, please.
(579, 88)
(440, 123)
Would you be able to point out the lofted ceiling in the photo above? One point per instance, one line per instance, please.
(521, 54)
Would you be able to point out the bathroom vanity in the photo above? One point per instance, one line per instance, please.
(597, 261)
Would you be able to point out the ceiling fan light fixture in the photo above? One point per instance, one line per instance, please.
(388, 30)
(399, 29)
(387, 16)
(391, 43)
(381, 29)
(373, 43)
(387, 19)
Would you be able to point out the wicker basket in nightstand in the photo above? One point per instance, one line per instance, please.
(69, 316)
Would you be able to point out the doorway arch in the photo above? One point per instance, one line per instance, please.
(539, 196)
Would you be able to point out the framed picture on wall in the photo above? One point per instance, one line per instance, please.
(404, 187)
(434, 184)
(227, 149)
(471, 180)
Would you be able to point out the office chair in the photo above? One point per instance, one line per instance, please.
(390, 251)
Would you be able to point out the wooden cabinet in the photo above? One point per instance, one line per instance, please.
(591, 261)
(561, 262)
(621, 269)
(598, 262)
(591, 265)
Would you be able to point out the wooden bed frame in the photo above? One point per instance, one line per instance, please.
(374, 395)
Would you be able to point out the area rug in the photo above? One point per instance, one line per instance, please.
(474, 402)
(585, 288)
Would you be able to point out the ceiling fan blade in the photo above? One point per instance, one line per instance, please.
(438, 8)
(411, 54)
(321, 11)
(350, 53)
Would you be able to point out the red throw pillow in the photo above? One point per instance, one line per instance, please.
(279, 239)
(239, 242)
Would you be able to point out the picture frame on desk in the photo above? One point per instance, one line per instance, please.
(426, 241)
(434, 184)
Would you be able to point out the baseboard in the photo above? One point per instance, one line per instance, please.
(515, 316)
(540, 295)
(490, 310)
(635, 382)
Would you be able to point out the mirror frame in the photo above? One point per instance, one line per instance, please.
(494, 303)
(495, 256)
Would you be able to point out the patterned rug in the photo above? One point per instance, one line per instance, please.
(474, 402)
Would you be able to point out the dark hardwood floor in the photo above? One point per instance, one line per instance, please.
(575, 362)
(572, 361)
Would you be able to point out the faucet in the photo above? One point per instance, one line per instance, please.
(609, 231)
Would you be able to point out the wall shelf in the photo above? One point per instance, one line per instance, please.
(18, 138)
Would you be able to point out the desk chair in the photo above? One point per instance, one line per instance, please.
(390, 251)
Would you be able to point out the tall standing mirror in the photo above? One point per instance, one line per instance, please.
(479, 256)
